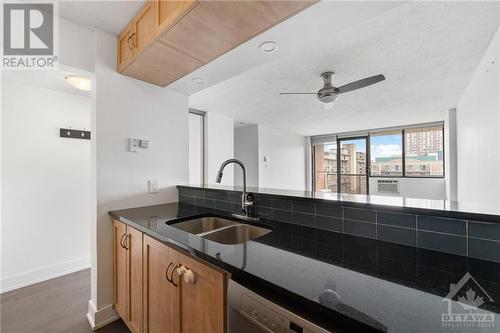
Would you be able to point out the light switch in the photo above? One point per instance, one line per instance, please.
(153, 186)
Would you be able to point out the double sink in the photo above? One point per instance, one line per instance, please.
(221, 230)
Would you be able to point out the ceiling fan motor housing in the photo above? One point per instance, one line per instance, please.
(327, 94)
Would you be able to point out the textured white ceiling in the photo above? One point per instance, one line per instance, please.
(107, 15)
(427, 51)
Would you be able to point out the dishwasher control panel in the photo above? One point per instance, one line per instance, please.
(268, 316)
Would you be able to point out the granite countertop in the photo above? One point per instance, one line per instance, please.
(338, 281)
(460, 208)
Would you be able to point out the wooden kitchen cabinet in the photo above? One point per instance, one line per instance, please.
(168, 13)
(120, 269)
(203, 302)
(179, 306)
(128, 274)
(136, 36)
(161, 297)
(125, 48)
(169, 39)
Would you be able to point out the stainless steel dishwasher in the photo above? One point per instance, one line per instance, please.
(249, 312)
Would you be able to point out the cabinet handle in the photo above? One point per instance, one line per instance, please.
(166, 272)
(125, 242)
(121, 241)
(189, 276)
(131, 41)
(172, 276)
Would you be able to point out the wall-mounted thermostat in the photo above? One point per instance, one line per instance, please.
(136, 145)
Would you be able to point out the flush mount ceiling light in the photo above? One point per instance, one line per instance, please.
(268, 47)
(79, 82)
(198, 80)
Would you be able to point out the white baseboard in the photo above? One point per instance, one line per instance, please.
(102, 317)
(42, 274)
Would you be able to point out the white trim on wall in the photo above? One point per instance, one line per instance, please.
(45, 273)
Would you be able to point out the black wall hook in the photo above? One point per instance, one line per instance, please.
(74, 134)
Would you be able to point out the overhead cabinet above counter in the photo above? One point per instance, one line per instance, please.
(170, 39)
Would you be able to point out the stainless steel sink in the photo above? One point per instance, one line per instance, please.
(203, 225)
(221, 230)
(236, 234)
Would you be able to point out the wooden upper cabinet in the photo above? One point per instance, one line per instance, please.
(168, 13)
(125, 48)
(144, 27)
(209, 287)
(171, 39)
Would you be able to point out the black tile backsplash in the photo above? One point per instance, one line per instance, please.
(397, 235)
(304, 207)
(366, 215)
(308, 220)
(476, 239)
(438, 224)
(284, 204)
(361, 229)
(328, 210)
(282, 215)
(484, 249)
(442, 242)
(329, 223)
(397, 219)
(484, 230)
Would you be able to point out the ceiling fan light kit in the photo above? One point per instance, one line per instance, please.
(328, 94)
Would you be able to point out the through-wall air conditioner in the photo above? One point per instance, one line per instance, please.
(387, 186)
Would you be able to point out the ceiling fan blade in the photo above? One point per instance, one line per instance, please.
(293, 93)
(360, 84)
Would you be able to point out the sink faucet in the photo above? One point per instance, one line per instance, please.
(246, 201)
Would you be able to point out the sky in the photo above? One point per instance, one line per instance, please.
(381, 146)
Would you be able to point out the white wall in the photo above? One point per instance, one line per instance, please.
(285, 153)
(219, 146)
(478, 132)
(125, 107)
(246, 141)
(45, 185)
(426, 188)
(76, 46)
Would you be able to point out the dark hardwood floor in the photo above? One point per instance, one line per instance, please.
(57, 305)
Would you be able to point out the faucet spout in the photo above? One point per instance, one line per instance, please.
(246, 202)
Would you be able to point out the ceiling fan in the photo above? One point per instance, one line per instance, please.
(328, 94)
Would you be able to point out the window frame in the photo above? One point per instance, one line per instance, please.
(444, 154)
(369, 134)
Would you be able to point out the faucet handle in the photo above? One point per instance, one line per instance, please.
(246, 199)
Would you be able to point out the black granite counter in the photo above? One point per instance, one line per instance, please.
(341, 282)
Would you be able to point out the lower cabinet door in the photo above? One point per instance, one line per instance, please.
(203, 305)
(161, 297)
(120, 268)
(134, 247)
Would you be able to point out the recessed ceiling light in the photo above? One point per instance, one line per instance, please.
(198, 80)
(79, 82)
(268, 47)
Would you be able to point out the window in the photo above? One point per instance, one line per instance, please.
(386, 154)
(424, 152)
(196, 146)
(325, 167)
(402, 152)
